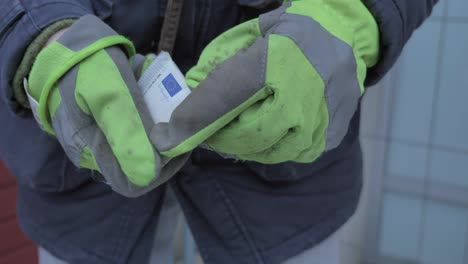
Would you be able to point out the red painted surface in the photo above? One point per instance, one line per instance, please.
(15, 248)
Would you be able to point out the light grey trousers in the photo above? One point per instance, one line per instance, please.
(173, 245)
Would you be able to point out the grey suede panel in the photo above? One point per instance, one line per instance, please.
(169, 169)
(67, 135)
(137, 62)
(165, 168)
(334, 61)
(75, 38)
(230, 84)
(269, 21)
(66, 131)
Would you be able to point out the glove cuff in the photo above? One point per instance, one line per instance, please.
(30, 55)
(85, 37)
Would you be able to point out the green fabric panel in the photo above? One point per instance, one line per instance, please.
(288, 125)
(349, 21)
(40, 75)
(87, 160)
(224, 46)
(45, 61)
(30, 55)
(109, 101)
(205, 133)
(53, 62)
(54, 100)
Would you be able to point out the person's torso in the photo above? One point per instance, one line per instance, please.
(95, 225)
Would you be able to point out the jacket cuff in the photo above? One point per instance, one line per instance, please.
(30, 55)
(391, 38)
(397, 19)
(16, 34)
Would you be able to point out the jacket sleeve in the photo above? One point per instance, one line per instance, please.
(30, 154)
(20, 23)
(397, 19)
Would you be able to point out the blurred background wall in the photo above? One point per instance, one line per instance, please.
(15, 248)
(415, 140)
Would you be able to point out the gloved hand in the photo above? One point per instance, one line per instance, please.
(88, 98)
(285, 86)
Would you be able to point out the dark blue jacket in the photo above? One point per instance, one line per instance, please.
(239, 212)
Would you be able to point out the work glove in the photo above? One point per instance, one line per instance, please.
(84, 92)
(282, 87)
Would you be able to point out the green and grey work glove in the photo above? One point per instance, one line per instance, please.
(87, 96)
(282, 87)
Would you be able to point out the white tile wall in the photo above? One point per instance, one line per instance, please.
(414, 91)
(407, 160)
(452, 114)
(445, 229)
(449, 167)
(401, 218)
(457, 8)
